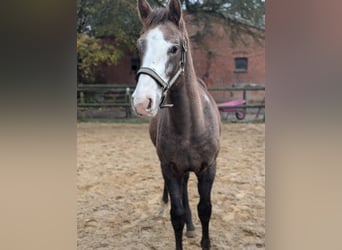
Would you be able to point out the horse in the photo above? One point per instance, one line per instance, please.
(185, 123)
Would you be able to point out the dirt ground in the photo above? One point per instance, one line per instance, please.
(120, 186)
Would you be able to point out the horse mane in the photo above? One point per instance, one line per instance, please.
(202, 83)
(160, 16)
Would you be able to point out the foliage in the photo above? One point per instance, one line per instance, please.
(109, 18)
(91, 53)
(116, 20)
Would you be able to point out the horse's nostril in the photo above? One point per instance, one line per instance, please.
(149, 103)
(143, 106)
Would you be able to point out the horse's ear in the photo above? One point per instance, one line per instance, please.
(175, 11)
(144, 10)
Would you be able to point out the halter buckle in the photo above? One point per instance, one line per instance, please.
(166, 105)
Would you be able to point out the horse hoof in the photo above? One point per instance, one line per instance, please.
(191, 234)
(205, 244)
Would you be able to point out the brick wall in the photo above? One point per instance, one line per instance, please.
(214, 56)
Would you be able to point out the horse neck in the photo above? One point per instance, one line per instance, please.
(187, 113)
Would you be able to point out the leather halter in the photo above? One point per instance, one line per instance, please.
(165, 85)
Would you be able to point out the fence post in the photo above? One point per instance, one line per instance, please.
(244, 95)
(82, 97)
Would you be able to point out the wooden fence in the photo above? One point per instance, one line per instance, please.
(119, 96)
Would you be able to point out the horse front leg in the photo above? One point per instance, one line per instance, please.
(205, 183)
(174, 186)
(190, 228)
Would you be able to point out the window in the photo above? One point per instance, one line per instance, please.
(241, 64)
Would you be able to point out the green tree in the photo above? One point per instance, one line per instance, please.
(91, 53)
(109, 18)
(97, 21)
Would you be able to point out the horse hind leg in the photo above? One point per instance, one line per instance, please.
(190, 228)
(165, 200)
(205, 182)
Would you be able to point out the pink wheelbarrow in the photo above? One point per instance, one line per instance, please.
(233, 106)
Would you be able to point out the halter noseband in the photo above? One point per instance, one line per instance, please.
(165, 85)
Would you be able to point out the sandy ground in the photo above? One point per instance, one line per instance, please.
(120, 186)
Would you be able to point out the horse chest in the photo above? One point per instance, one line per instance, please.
(185, 154)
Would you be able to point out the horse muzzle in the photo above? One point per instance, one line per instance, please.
(144, 107)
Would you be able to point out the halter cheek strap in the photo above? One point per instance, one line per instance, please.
(165, 85)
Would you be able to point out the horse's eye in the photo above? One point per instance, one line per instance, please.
(173, 50)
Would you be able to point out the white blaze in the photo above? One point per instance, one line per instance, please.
(156, 52)
(155, 58)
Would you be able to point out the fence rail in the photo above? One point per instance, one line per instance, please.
(92, 87)
(119, 96)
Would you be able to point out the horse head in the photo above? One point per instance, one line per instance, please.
(162, 48)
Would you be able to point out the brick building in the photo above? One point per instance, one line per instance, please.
(217, 61)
